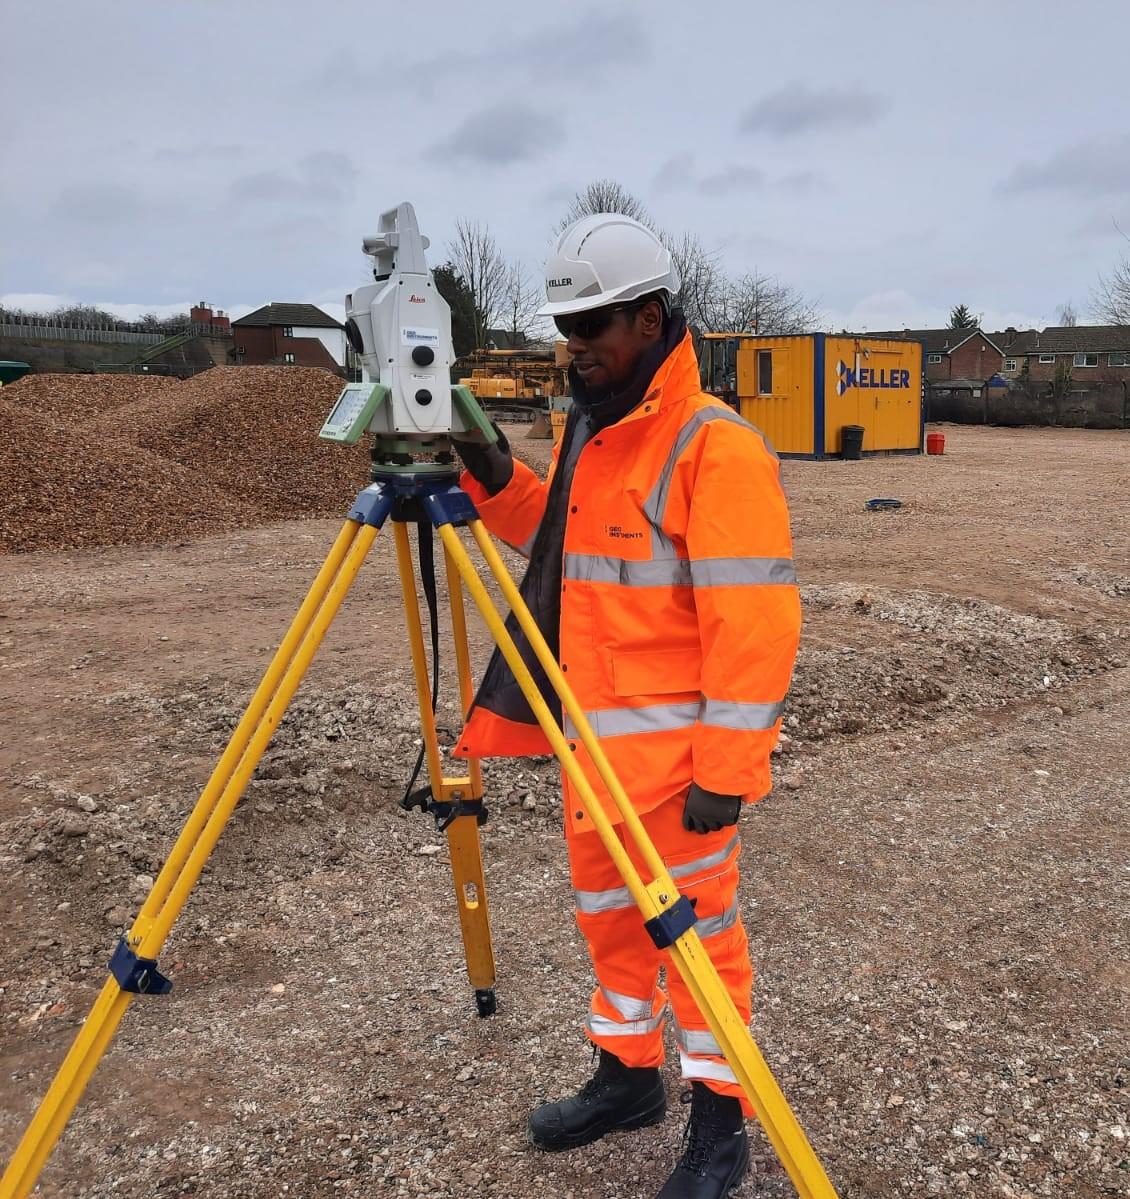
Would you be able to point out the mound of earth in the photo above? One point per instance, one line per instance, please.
(253, 431)
(78, 399)
(64, 486)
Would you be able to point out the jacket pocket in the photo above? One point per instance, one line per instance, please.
(656, 671)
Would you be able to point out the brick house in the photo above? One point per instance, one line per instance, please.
(1096, 354)
(290, 334)
(958, 357)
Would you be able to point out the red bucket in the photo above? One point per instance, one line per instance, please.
(935, 443)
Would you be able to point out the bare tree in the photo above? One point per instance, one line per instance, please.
(519, 305)
(714, 302)
(604, 195)
(701, 276)
(1110, 301)
(1068, 317)
(766, 305)
(475, 255)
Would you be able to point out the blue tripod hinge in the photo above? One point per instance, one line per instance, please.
(666, 928)
(372, 505)
(453, 506)
(139, 976)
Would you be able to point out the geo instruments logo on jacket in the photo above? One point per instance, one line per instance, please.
(868, 376)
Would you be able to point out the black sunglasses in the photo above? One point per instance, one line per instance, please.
(590, 325)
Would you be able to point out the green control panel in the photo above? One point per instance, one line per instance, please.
(353, 412)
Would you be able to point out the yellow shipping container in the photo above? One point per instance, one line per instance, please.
(802, 391)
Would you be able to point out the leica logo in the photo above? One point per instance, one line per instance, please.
(416, 300)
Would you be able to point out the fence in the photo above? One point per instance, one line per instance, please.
(1106, 406)
(71, 333)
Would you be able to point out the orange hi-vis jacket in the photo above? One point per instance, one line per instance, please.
(680, 613)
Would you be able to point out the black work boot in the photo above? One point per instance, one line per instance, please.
(616, 1097)
(715, 1148)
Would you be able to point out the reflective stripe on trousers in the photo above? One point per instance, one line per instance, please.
(696, 1048)
(591, 902)
(627, 963)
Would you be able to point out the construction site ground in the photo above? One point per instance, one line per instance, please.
(936, 892)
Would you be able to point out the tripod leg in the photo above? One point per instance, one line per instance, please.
(667, 915)
(463, 835)
(208, 819)
(243, 731)
(463, 832)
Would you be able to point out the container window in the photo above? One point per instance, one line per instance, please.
(1086, 360)
(764, 372)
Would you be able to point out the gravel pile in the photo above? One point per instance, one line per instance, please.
(65, 486)
(254, 432)
(91, 460)
(77, 399)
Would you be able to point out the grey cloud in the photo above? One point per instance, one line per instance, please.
(680, 171)
(797, 109)
(675, 172)
(594, 42)
(202, 152)
(802, 182)
(1097, 165)
(560, 193)
(98, 204)
(499, 135)
(325, 176)
(734, 178)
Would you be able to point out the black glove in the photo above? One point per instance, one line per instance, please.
(707, 811)
(491, 465)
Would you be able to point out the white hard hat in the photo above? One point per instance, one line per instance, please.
(605, 259)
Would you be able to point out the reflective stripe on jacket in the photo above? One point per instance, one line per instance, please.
(680, 614)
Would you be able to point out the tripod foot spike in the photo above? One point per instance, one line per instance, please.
(485, 1003)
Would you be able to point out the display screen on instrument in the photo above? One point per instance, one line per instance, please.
(348, 408)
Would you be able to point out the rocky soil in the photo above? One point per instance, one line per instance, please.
(936, 892)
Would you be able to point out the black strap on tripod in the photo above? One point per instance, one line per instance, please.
(425, 549)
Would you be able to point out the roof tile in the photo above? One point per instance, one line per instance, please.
(306, 316)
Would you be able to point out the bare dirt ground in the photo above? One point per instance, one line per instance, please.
(936, 892)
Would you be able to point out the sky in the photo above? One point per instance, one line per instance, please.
(888, 160)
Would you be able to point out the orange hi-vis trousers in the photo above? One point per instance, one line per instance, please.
(628, 1008)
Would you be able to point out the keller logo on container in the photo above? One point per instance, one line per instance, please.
(869, 377)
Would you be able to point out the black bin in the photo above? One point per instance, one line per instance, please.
(851, 441)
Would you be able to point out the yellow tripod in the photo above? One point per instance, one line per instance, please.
(667, 915)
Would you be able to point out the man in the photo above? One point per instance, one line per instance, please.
(660, 572)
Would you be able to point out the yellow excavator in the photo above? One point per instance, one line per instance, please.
(516, 384)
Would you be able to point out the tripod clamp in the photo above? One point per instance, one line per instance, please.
(137, 975)
(445, 811)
